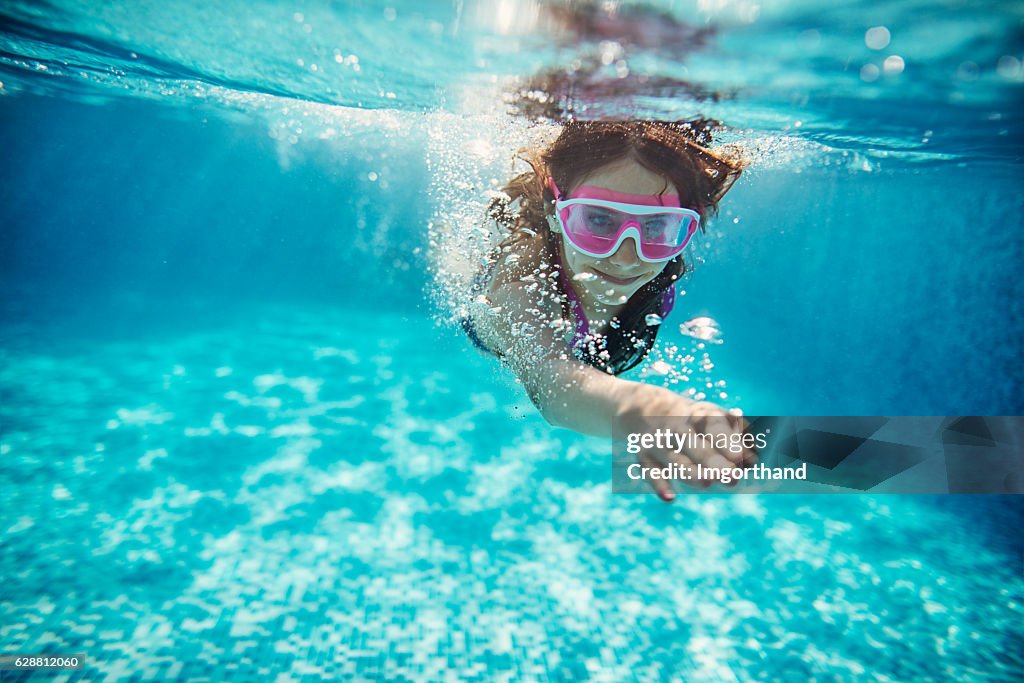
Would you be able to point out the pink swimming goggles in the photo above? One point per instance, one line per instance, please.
(597, 221)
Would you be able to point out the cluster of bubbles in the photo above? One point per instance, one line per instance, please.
(688, 367)
(469, 159)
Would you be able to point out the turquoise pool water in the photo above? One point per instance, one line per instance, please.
(240, 439)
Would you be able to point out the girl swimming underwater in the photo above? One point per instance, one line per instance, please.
(574, 293)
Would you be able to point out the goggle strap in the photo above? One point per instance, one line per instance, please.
(554, 189)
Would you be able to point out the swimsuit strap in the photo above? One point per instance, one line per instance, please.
(582, 324)
(668, 301)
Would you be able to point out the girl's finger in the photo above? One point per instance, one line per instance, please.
(749, 458)
(687, 465)
(661, 486)
(718, 460)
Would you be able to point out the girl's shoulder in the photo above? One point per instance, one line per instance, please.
(518, 259)
(520, 288)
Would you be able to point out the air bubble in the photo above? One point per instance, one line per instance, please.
(893, 65)
(1009, 67)
(703, 328)
(661, 368)
(877, 37)
(967, 71)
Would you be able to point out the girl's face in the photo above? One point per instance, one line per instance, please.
(612, 280)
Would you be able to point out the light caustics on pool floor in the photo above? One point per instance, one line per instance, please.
(312, 494)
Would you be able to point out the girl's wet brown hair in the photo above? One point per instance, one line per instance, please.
(678, 151)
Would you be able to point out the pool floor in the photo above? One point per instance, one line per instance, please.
(292, 492)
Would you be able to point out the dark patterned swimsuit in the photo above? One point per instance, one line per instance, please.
(582, 333)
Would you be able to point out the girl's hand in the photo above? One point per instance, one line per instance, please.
(649, 408)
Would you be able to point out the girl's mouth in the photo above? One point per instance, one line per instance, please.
(616, 280)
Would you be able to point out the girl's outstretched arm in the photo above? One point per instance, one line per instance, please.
(524, 322)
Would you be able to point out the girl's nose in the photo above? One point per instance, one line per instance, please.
(625, 255)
